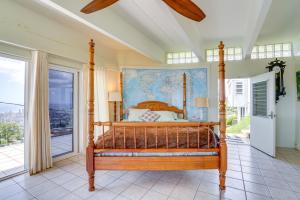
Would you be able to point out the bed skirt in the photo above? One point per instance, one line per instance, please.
(153, 154)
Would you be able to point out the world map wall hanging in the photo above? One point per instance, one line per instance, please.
(166, 85)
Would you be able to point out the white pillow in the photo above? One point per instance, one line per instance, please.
(135, 114)
(166, 116)
(175, 115)
(150, 116)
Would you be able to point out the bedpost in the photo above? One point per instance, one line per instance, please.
(121, 92)
(90, 149)
(222, 118)
(184, 96)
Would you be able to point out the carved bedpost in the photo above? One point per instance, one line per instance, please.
(121, 92)
(184, 96)
(222, 118)
(90, 149)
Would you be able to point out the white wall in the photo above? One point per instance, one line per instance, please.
(286, 108)
(233, 99)
(22, 26)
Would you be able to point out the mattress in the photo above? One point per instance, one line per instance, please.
(153, 154)
(188, 137)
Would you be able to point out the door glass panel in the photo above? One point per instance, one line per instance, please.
(260, 99)
(61, 109)
(12, 84)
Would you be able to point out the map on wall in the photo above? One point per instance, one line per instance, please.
(167, 86)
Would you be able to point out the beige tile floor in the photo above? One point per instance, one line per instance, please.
(11, 159)
(61, 144)
(12, 156)
(251, 175)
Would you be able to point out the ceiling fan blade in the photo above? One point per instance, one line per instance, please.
(186, 8)
(96, 5)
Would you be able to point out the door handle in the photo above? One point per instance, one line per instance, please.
(272, 115)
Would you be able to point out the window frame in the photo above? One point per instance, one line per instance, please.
(75, 138)
(26, 103)
(181, 57)
(212, 55)
(239, 86)
(265, 53)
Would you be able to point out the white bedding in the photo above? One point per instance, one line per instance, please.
(166, 116)
(134, 115)
(177, 120)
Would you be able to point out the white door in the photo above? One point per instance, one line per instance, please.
(263, 113)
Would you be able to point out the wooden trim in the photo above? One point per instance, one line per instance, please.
(103, 123)
(90, 149)
(158, 106)
(91, 96)
(164, 124)
(157, 163)
(115, 111)
(153, 150)
(121, 92)
(184, 96)
(222, 117)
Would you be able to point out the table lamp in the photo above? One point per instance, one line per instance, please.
(115, 97)
(200, 102)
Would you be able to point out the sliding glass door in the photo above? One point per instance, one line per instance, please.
(12, 86)
(63, 104)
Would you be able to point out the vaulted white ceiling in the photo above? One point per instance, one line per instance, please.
(235, 22)
(151, 28)
(282, 23)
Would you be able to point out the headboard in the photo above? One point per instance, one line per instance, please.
(158, 106)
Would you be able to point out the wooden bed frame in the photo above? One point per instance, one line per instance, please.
(218, 161)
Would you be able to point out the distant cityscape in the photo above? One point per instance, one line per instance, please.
(11, 123)
(61, 117)
(12, 113)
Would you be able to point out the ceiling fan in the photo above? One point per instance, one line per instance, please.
(184, 7)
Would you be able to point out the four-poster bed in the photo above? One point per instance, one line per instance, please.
(178, 145)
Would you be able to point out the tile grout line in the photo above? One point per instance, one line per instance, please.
(242, 172)
(197, 189)
(238, 152)
(279, 172)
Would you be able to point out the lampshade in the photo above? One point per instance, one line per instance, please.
(114, 96)
(201, 102)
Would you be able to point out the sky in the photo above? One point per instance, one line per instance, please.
(12, 80)
(61, 88)
(12, 84)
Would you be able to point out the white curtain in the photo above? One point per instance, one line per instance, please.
(83, 117)
(101, 103)
(101, 94)
(38, 124)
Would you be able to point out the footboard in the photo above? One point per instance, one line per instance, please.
(184, 153)
(157, 163)
(157, 135)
